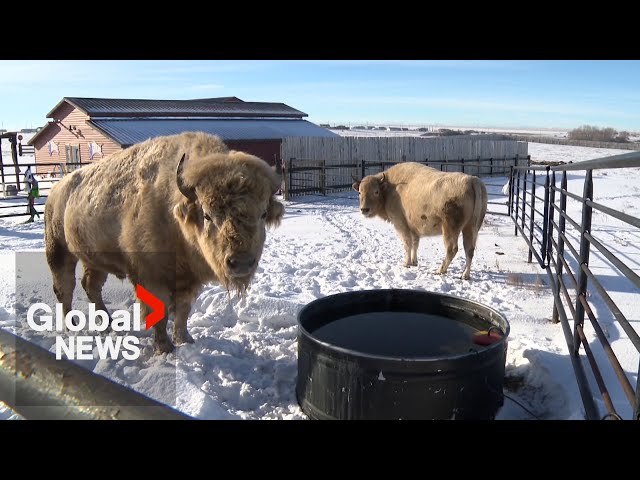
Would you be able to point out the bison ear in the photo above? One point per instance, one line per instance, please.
(356, 186)
(383, 182)
(275, 212)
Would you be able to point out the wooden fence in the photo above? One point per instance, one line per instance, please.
(339, 150)
(321, 165)
(304, 176)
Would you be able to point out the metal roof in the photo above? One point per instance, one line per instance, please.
(129, 132)
(207, 107)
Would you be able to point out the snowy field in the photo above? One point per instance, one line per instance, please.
(243, 364)
(412, 131)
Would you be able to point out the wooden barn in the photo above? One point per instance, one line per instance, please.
(86, 129)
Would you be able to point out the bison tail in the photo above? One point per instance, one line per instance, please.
(480, 202)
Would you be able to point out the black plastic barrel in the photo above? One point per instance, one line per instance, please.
(342, 383)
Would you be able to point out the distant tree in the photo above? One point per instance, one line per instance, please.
(446, 132)
(589, 132)
(622, 137)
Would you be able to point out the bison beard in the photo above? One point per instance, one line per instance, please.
(172, 214)
(420, 201)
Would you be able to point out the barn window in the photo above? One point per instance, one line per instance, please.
(72, 156)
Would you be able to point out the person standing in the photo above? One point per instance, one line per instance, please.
(33, 192)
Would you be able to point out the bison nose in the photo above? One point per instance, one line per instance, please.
(241, 262)
(365, 210)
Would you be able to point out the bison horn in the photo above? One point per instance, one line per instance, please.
(188, 192)
(355, 179)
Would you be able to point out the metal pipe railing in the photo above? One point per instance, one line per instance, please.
(583, 280)
(37, 386)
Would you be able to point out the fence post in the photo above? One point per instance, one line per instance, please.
(528, 160)
(462, 161)
(1, 166)
(490, 166)
(323, 178)
(510, 205)
(584, 255)
(636, 413)
(288, 173)
(14, 157)
(524, 197)
(545, 222)
(561, 230)
(533, 212)
(517, 203)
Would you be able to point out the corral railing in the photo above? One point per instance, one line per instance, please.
(37, 386)
(565, 245)
(305, 176)
(13, 198)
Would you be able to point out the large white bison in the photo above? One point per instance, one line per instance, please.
(421, 201)
(170, 214)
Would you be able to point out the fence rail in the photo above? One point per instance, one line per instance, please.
(305, 176)
(45, 186)
(549, 230)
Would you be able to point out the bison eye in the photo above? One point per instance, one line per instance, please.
(207, 217)
(264, 215)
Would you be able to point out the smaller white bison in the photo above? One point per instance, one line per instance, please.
(421, 201)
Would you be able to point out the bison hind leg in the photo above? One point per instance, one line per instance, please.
(450, 237)
(469, 239)
(92, 281)
(62, 264)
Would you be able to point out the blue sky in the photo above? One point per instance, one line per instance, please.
(536, 94)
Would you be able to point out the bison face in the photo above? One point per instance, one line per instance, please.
(231, 205)
(371, 190)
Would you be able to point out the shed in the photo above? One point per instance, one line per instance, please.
(87, 129)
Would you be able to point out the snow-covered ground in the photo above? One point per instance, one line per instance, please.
(243, 364)
(567, 153)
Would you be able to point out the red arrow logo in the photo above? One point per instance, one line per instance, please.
(152, 301)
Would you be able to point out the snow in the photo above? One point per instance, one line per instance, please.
(412, 131)
(243, 362)
(568, 153)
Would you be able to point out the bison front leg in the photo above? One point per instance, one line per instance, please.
(407, 239)
(63, 269)
(183, 308)
(415, 242)
(161, 339)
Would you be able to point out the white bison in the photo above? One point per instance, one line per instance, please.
(170, 214)
(421, 201)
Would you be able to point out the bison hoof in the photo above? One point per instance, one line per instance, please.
(182, 337)
(465, 276)
(164, 346)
